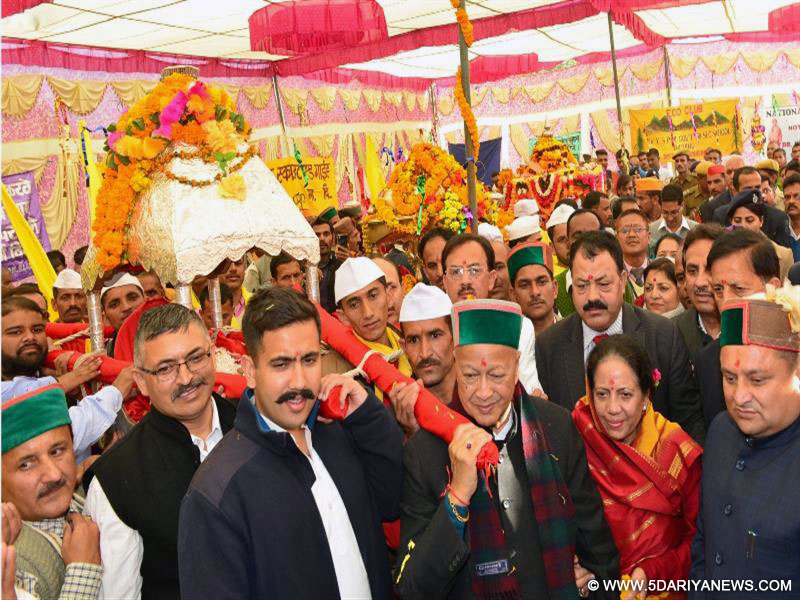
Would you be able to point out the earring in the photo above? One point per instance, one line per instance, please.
(644, 408)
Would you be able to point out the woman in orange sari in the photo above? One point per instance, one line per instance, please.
(646, 468)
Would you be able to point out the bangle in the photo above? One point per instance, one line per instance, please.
(456, 513)
(449, 489)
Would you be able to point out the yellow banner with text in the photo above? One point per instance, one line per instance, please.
(691, 128)
(311, 185)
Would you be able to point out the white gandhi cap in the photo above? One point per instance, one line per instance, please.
(425, 302)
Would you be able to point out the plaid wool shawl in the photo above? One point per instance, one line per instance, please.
(491, 573)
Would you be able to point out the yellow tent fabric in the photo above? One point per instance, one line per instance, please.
(372, 170)
(31, 246)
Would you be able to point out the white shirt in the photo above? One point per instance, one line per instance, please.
(90, 418)
(207, 445)
(351, 574)
(122, 548)
(527, 374)
(589, 334)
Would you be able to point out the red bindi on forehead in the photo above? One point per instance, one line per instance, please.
(484, 364)
(737, 363)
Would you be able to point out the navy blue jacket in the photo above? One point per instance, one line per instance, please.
(249, 525)
(748, 485)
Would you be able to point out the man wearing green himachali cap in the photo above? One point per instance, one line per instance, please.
(530, 268)
(538, 507)
(56, 551)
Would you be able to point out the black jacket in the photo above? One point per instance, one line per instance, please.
(559, 361)
(250, 527)
(144, 477)
(707, 208)
(694, 337)
(434, 558)
(709, 380)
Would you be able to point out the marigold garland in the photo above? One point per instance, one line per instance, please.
(179, 109)
(445, 193)
(458, 90)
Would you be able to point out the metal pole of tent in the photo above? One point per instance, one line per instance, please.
(215, 299)
(667, 76)
(286, 150)
(468, 146)
(616, 78)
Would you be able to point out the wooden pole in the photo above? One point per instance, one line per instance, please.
(667, 76)
(468, 145)
(434, 114)
(616, 79)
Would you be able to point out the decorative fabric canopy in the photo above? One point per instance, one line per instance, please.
(412, 39)
(300, 27)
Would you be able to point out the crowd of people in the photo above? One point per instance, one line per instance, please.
(635, 360)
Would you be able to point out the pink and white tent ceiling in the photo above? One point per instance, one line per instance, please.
(415, 40)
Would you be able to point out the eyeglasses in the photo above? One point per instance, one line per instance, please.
(168, 372)
(473, 272)
(637, 230)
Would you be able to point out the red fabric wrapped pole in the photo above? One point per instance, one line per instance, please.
(431, 414)
(58, 331)
(234, 385)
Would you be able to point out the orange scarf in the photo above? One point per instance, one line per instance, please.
(642, 484)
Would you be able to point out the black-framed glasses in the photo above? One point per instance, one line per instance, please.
(169, 371)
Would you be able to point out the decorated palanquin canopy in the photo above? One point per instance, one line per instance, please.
(552, 173)
(182, 189)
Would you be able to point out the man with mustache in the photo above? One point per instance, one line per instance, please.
(119, 297)
(699, 324)
(469, 274)
(363, 303)
(749, 525)
(134, 490)
(289, 507)
(580, 221)
(57, 550)
(68, 297)
(24, 345)
(530, 267)
(598, 286)
(428, 344)
(516, 532)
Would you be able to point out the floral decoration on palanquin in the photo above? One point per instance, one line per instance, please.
(429, 189)
(179, 109)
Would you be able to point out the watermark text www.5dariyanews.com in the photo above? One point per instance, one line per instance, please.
(657, 586)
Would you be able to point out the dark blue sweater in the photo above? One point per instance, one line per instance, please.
(249, 525)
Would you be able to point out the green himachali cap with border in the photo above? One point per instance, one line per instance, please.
(487, 322)
(757, 323)
(530, 253)
(32, 414)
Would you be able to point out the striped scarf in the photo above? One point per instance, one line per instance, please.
(492, 575)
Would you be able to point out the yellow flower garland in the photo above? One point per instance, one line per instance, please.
(445, 193)
(136, 150)
(458, 90)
